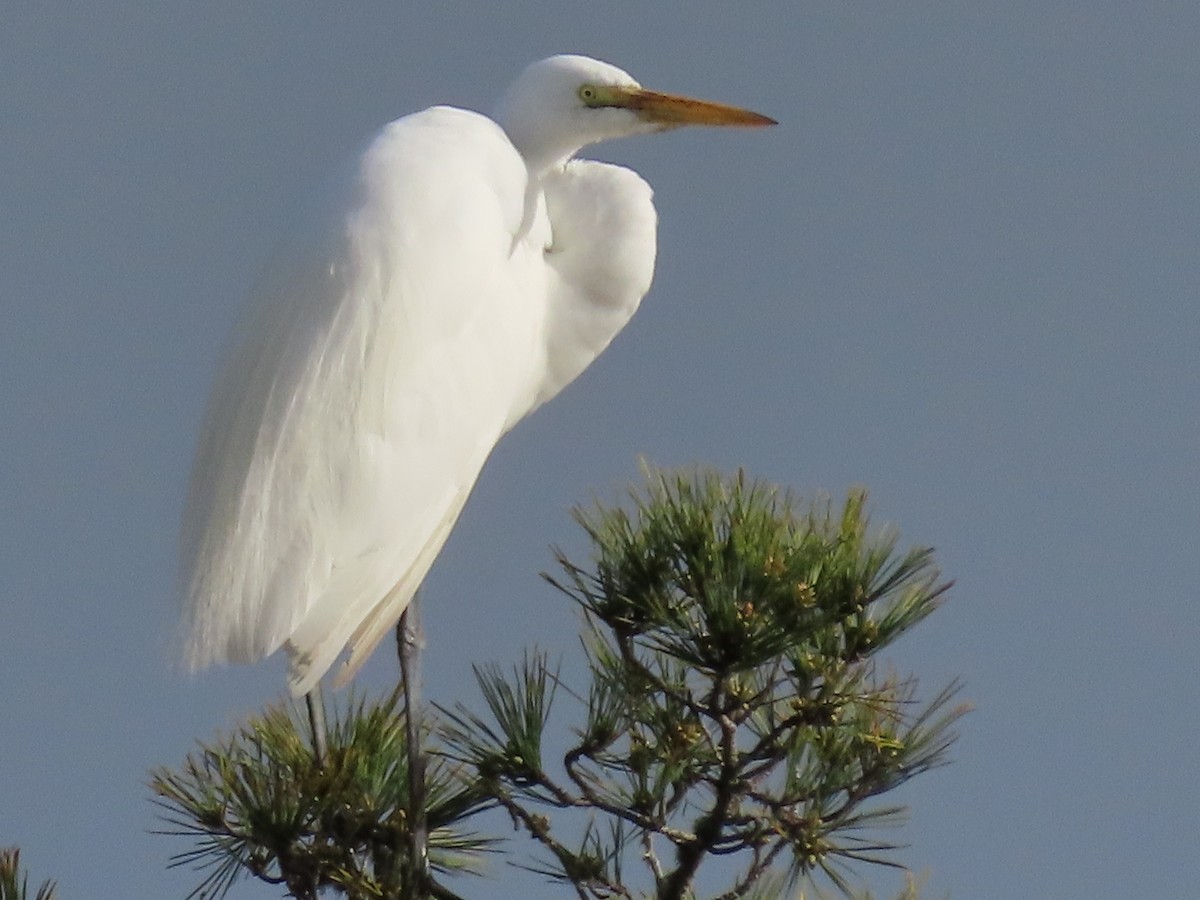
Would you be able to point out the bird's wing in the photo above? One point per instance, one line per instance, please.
(388, 350)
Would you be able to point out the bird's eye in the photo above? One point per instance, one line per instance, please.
(588, 94)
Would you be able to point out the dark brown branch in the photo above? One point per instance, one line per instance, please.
(708, 829)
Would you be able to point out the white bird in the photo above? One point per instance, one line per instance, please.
(459, 273)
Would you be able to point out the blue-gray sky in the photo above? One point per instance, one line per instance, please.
(962, 272)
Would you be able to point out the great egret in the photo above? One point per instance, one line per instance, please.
(460, 272)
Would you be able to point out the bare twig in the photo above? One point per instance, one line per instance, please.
(651, 858)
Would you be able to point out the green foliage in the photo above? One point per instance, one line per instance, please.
(260, 803)
(734, 708)
(734, 711)
(14, 884)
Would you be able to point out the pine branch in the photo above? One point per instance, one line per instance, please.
(14, 883)
(734, 712)
(259, 804)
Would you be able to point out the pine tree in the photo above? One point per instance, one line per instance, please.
(734, 729)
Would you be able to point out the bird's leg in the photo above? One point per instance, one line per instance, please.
(409, 641)
(316, 721)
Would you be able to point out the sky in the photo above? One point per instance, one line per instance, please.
(962, 272)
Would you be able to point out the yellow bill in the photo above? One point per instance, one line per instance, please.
(670, 110)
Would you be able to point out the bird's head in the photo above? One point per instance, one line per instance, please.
(561, 104)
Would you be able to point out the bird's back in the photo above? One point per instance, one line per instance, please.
(384, 355)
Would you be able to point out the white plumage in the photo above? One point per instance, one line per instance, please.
(457, 275)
